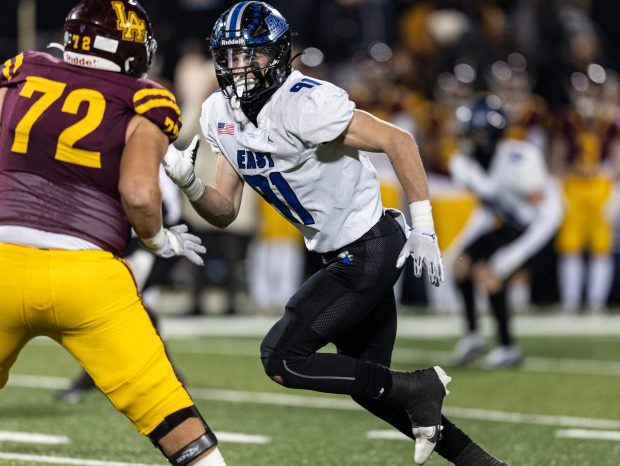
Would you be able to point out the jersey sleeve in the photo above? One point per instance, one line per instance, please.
(11, 70)
(159, 105)
(323, 113)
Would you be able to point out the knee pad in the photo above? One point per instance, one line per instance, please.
(193, 449)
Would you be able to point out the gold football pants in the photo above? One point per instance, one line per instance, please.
(88, 302)
(585, 225)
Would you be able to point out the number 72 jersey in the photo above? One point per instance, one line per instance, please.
(62, 136)
(295, 161)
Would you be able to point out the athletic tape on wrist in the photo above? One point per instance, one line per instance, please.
(422, 214)
(194, 190)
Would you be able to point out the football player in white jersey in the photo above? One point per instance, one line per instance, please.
(519, 213)
(297, 140)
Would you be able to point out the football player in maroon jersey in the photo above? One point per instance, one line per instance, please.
(81, 142)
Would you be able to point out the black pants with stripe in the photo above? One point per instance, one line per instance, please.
(349, 303)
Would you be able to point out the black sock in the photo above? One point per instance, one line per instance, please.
(456, 446)
(499, 306)
(453, 440)
(474, 455)
(467, 291)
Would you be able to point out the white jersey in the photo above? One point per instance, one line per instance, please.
(329, 191)
(517, 171)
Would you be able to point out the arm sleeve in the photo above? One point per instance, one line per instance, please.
(548, 217)
(469, 174)
(322, 114)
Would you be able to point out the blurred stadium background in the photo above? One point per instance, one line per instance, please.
(411, 62)
(414, 63)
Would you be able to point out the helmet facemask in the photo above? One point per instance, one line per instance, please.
(250, 75)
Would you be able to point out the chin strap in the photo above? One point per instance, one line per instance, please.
(298, 54)
(252, 108)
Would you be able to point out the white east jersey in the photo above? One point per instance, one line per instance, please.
(518, 187)
(294, 160)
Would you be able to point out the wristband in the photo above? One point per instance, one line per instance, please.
(155, 242)
(194, 189)
(421, 214)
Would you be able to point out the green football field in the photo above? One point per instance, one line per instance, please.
(561, 408)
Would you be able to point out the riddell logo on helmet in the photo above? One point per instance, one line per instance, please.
(80, 60)
(88, 61)
(235, 41)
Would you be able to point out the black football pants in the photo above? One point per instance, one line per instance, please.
(350, 303)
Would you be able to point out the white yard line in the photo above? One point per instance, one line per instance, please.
(424, 326)
(233, 437)
(29, 459)
(386, 435)
(342, 403)
(29, 437)
(531, 364)
(532, 419)
(586, 434)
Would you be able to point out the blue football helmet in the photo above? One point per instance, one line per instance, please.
(251, 48)
(482, 124)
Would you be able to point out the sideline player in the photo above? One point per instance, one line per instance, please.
(585, 154)
(81, 142)
(297, 141)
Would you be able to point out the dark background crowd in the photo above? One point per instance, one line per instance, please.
(420, 58)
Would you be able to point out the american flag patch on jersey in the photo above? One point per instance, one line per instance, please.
(225, 128)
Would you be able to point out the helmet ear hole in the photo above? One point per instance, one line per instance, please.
(128, 67)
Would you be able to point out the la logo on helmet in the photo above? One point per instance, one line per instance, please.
(134, 28)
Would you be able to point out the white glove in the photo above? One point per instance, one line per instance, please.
(179, 166)
(175, 241)
(422, 244)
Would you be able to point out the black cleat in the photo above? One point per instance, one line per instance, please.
(421, 394)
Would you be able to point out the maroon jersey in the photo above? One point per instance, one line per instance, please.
(588, 141)
(61, 140)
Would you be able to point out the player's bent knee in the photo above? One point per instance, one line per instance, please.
(274, 368)
(193, 449)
